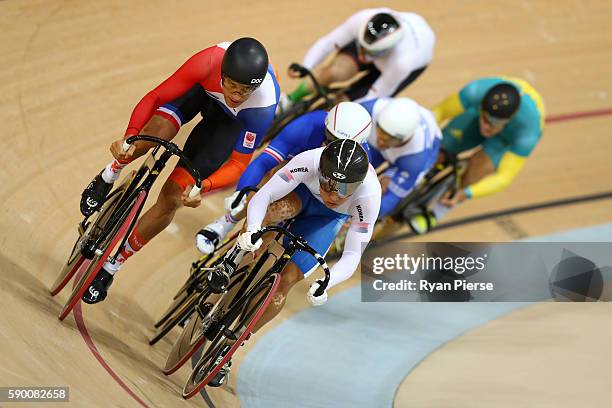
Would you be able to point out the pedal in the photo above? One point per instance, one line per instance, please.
(230, 334)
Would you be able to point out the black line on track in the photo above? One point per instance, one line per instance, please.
(504, 213)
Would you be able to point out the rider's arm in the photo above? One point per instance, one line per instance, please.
(357, 238)
(338, 38)
(448, 108)
(376, 159)
(404, 175)
(468, 97)
(385, 85)
(256, 122)
(298, 170)
(229, 172)
(508, 163)
(509, 166)
(288, 141)
(190, 73)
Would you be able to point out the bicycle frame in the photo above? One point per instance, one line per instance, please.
(151, 168)
(246, 288)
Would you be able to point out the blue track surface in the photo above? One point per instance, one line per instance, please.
(353, 354)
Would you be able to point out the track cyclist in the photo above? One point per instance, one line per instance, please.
(393, 47)
(235, 89)
(502, 115)
(407, 137)
(320, 189)
(310, 131)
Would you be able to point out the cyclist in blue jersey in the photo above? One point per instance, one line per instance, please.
(407, 137)
(347, 120)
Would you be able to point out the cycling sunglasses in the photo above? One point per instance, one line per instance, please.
(493, 121)
(344, 190)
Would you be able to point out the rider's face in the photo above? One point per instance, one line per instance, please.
(332, 199)
(385, 141)
(488, 127)
(235, 93)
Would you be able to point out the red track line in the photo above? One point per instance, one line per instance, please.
(78, 317)
(578, 115)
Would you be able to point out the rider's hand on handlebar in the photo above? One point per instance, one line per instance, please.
(192, 202)
(293, 73)
(245, 241)
(230, 200)
(316, 300)
(449, 201)
(116, 150)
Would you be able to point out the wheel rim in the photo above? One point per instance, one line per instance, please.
(195, 382)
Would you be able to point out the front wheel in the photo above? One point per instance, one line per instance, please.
(76, 260)
(120, 230)
(239, 320)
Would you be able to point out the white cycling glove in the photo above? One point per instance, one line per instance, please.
(245, 243)
(316, 300)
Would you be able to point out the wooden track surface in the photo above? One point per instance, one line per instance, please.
(70, 75)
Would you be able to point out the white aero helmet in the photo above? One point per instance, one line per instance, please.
(380, 33)
(348, 120)
(400, 118)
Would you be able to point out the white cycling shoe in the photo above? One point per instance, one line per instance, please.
(209, 237)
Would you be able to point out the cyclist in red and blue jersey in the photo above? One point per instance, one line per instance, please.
(235, 89)
(347, 120)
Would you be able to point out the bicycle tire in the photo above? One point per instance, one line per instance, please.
(269, 284)
(96, 264)
(76, 259)
(172, 366)
(177, 357)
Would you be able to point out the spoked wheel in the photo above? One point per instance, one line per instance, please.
(238, 321)
(76, 259)
(96, 263)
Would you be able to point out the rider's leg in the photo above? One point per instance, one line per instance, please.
(459, 135)
(290, 275)
(479, 166)
(342, 67)
(95, 193)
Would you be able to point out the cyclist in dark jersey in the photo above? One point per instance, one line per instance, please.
(235, 89)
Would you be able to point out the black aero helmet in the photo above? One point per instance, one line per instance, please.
(380, 33)
(343, 166)
(245, 61)
(501, 101)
